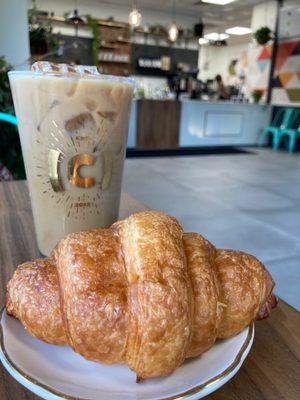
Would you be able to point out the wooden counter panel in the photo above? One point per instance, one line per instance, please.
(158, 124)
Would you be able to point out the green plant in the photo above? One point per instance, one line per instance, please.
(40, 33)
(158, 29)
(10, 148)
(96, 38)
(42, 39)
(257, 95)
(263, 35)
(140, 93)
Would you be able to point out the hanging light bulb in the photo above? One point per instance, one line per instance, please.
(135, 17)
(173, 32)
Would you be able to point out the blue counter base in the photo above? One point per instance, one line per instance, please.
(213, 124)
(188, 151)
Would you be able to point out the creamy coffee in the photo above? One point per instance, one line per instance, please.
(73, 127)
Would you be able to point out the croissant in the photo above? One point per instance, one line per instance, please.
(141, 292)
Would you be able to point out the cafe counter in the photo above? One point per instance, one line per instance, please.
(170, 124)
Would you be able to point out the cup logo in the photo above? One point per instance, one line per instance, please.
(74, 165)
(77, 163)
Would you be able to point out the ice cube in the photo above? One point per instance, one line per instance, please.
(64, 69)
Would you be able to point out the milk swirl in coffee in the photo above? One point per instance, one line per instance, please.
(73, 127)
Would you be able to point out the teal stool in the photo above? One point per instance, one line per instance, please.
(292, 135)
(8, 118)
(276, 128)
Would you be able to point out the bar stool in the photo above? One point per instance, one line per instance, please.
(292, 135)
(275, 129)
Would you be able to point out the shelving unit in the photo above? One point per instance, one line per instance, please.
(115, 44)
(117, 40)
(162, 37)
(117, 55)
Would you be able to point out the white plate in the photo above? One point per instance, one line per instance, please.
(54, 372)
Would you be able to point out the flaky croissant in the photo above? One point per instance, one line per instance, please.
(141, 292)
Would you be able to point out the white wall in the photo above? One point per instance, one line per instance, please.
(216, 60)
(14, 41)
(264, 14)
(289, 26)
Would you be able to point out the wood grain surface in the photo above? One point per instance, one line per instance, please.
(158, 124)
(272, 369)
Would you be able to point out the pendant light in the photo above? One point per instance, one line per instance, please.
(135, 17)
(173, 30)
(76, 19)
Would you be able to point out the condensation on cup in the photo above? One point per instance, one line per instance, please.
(73, 125)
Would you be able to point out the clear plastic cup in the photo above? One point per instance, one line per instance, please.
(73, 128)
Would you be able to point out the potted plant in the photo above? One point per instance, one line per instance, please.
(263, 35)
(41, 36)
(158, 30)
(257, 95)
(38, 40)
(140, 93)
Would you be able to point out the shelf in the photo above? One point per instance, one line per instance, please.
(125, 41)
(162, 35)
(114, 45)
(112, 24)
(60, 20)
(100, 22)
(113, 62)
(146, 32)
(108, 46)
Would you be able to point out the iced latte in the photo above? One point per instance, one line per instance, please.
(73, 127)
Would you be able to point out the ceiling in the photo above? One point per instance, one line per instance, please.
(238, 12)
(215, 17)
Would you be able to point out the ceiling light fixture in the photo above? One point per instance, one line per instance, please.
(218, 2)
(173, 31)
(238, 30)
(203, 41)
(76, 20)
(214, 36)
(135, 17)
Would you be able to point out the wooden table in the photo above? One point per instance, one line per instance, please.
(272, 369)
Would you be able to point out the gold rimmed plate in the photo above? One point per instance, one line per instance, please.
(55, 372)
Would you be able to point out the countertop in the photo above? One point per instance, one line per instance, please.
(213, 102)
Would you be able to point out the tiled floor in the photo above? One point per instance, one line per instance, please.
(245, 202)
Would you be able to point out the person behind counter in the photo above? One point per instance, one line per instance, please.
(222, 94)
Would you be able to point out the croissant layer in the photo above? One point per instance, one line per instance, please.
(141, 292)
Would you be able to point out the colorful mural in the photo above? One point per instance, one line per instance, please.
(286, 83)
(259, 61)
